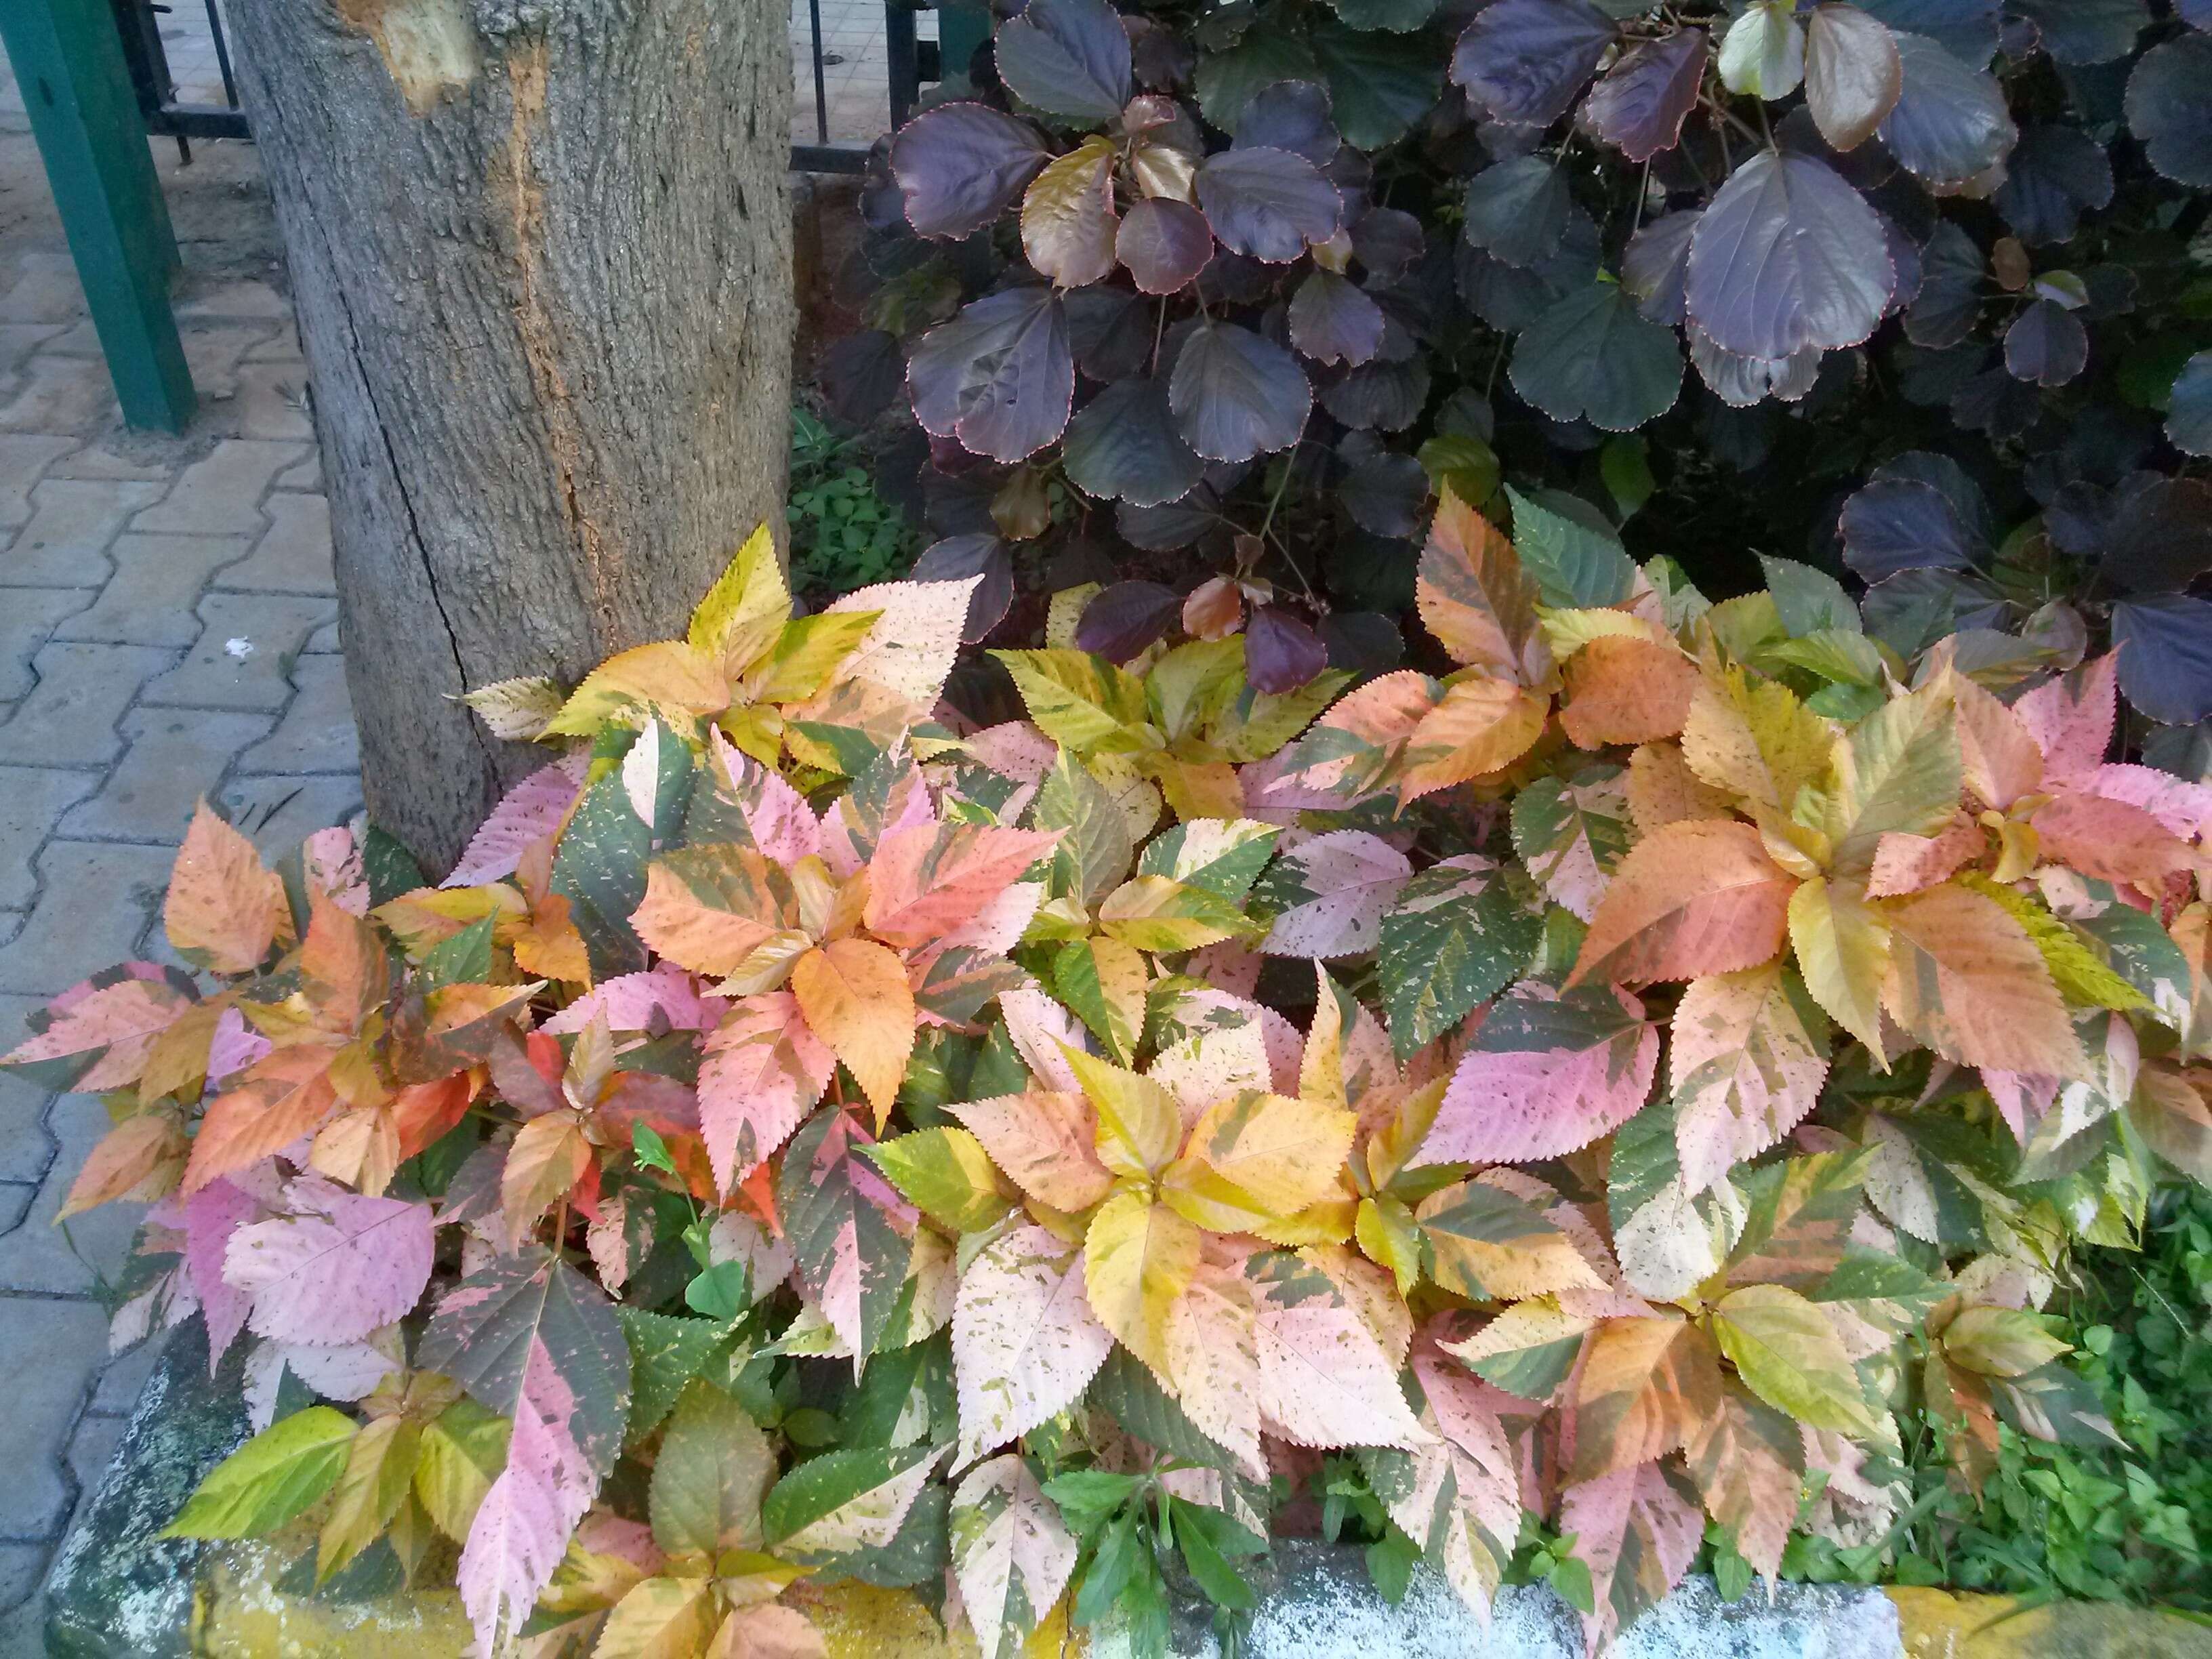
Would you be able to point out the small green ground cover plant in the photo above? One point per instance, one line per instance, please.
(1570, 1114)
(844, 534)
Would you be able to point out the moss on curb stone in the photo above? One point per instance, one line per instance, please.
(1938, 1625)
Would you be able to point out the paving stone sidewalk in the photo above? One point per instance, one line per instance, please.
(166, 631)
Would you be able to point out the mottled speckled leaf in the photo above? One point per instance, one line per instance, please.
(1323, 1379)
(960, 165)
(999, 377)
(848, 1500)
(1012, 1554)
(1067, 58)
(1592, 356)
(1548, 1072)
(1235, 395)
(1330, 893)
(848, 1230)
(1455, 936)
(1025, 1344)
(1571, 832)
(1788, 256)
(1748, 1055)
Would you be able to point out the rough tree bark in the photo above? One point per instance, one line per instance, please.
(541, 254)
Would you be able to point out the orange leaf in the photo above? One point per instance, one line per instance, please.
(342, 961)
(854, 995)
(1966, 980)
(709, 908)
(548, 946)
(927, 879)
(426, 1112)
(1045, 1141)
(1689, 900)
(224, 910)
(1997, 758)
(1663, 790)
(1475, 597)
(359, 1148)
(142, 1156)
(281, 1096)
(549, 1157)
(1482, 725)
(1625, 690)
(1646, 1387)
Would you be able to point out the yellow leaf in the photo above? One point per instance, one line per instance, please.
(1790, 1356)
(1197, 789)
(1897, 773)
(745, 611)
(1843, 950)
(806, 652)
(1645, 1388)
(1663, 790)
(1137, 1257)
(1067, 215)
(1753, 737)
(1475, 597)
(659, 1618)
(1139, 1124)
(1320, 1067)
(1482, 726)
(1076, 699)
(854, 994)
(1154, 913)
(379, 1469)
(1284, 1153)
(669, 679)
(516, 709)
(549, 1157)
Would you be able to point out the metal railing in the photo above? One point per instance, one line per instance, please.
(912, 61)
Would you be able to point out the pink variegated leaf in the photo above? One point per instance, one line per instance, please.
(1042, 1031)
(889, 797)
(1013, 749)
(1549, 1072)
(521, 1528)
(630, 1000)
(2110, 840)
(329, 862)
(234, 1046)
(1045, 1141)
(1334, 890)
(1212, 1357)
(1324, 1379)
(1999, 759)
(211, 1216)
(764, 1071)
(1749, 1054)
(1637, 1531)
(1025, 1344)
(926, 881)
(1013, 1555)
(526, 814)
(1906, 863)
(782, 824)
(2071, 717)
(1211, 1046)
(997, 925)
(2184, 808)
(102, 1038)
(850, 1233)
(334, 1267)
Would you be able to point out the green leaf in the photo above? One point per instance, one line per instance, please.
(1379, 85)
(1624, 464)
(464, 1449)
(1456, 937)
(463, 959)
(821, 1487)
(1095, 849)
(1790, 1356)
(600, 870)
(714, 1467)
(389, 867)
(945, 1173)
(1224, 1585)
(665, 1353)
(1565, 544)
(1086, 1498)
(275, 1476)
(1220, 856)
(719, 1292)
(1807, 599)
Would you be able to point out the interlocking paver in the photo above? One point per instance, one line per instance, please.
(324, 638)
(68, 718)
(72, 521)
(27, 620)
(241, 297)
(148, 600)
(213, 352)
(19, 340)
(23, 457)
(219, 496)
(316, 733)
(44, 290)
(270, 402)
(94, 900)
(31, 798)
(61, 394)
(246, 642)
(45, 1373)
(176, 755)
(295, 556)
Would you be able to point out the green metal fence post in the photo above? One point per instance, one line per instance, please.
(960, 30)
(68, 63)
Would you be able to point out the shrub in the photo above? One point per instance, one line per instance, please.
(1254, 280)
(1582, 1095)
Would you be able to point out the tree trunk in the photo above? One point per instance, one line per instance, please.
(541, 252)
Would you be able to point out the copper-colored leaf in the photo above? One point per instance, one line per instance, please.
(282, 1097)
(1965, 979)
(1622, 688)
(1691, 899)
(854, 995)
(224, 908)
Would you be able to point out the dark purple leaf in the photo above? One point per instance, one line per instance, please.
(1235, 395)
(1591, 357)
(1164, 529)
(2169, 106)
(1524, 60)
(2160, 537)
(960, 165)
(2047, 344)
(1109, 330)
(1385, 241)
(2052, 174)
(1126, 619)
(2189, 419)
(1380, 396)
(1788, 256)
(1333, 321)
(1640, 106)
(2087, 31)
(2164, 644)
(861, 375)
(998, 377)
(1379, 84)
(1517, 211)
(1656, 264)
(1281, 653)
(1948, 477)
(1950, 122)
(1994, 403)
(958, 557)
(1162, 57)
(1385, 493)
(1067, 58)
(1362, 641)
(1967, 29)
(1909, 612)
(1740, 382)
(1267, 204)
(1904, 261)
(1952, 273)
(1291, 115)
(1901, 524)
(1123, 445)
(1164, 243)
